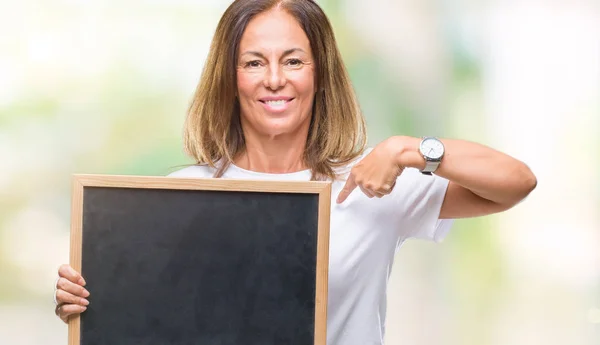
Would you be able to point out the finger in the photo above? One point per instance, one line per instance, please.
(392, 185)
(72, 288)
(371, 191)
(379, 195)
(384, 190)
(348, 188)
(67, 310)
(387, 188)
(69, 273)
(64, 297)
(367, 192)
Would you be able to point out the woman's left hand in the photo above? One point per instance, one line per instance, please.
(376, 174)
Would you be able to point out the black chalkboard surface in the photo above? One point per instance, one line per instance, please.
(172, 261)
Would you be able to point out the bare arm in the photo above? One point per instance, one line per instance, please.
(482, 180)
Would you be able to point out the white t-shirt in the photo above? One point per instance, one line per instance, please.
(364, 237)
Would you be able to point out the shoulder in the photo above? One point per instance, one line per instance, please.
(193, 171)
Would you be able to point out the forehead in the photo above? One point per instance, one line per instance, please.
(274, 30)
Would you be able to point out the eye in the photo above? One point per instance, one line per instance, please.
(294, 62)
(252, 64)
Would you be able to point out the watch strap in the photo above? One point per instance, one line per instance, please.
(430, 167)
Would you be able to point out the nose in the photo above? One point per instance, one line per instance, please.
(275, 78)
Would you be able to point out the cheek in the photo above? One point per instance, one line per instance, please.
(304, 82)
(246, 85)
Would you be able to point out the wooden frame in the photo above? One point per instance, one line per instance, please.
(322, 189)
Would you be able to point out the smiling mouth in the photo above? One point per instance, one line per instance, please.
(277, 103)
(276, 106)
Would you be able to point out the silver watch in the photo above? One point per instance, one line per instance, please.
(432, 150)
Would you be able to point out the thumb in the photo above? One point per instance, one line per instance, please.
(348, 188)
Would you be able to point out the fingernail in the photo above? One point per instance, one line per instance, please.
(86, 293)
(85, 301)
(83, 308)
(82, 281)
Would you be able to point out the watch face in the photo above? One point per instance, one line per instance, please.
(432, 148)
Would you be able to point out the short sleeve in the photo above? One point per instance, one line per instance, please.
(421, 197)
(193, 171)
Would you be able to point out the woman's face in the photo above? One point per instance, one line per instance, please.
(275, 77)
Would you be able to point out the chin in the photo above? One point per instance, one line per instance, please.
(278, 127)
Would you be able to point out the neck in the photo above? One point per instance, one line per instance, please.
(273, 155)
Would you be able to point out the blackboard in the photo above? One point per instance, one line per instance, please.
(177, 261)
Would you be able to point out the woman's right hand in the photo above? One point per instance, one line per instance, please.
(70, 294)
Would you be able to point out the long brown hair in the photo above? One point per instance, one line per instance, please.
(213, 131)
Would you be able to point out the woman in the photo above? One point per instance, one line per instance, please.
(275, 102)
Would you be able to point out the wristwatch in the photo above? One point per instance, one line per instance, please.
(432, 150)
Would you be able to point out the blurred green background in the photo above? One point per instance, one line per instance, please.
(102, 87)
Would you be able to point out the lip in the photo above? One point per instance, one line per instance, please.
(272, 109)
(275, 98)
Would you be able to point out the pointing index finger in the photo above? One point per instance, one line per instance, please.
(348, 188)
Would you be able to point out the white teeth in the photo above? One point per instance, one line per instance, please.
(276, 103)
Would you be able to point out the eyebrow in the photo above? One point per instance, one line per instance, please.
(285, 53)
